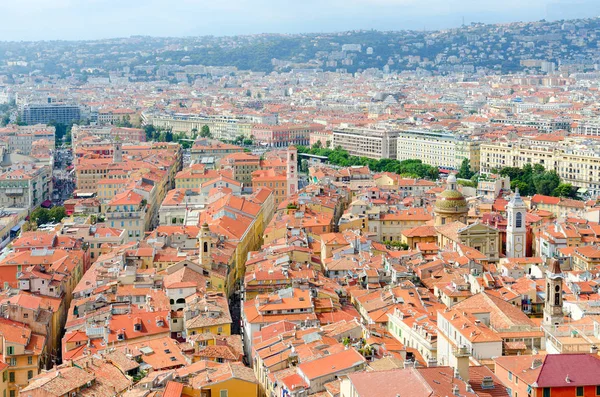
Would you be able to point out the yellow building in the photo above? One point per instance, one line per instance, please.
(4, 379)
(207, 315)
(23, 352)
(128, 210)
(228, 379)
(419, 234)
(195, 175)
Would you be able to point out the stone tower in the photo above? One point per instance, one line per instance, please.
(515, 230)
(553, 305)
(292, 171)
(204, 239)
(117, 153)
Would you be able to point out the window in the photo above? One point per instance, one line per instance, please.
(11, 377)
(579, 391)
(510, 375)
(223, 393)
(519, 220)
(10, 350)
(29, 374)
(12, 393)
(598, 390)
(546, 392)
(30, 360)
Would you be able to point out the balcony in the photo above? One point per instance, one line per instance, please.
(14, 192)
(462, 351)
(126, 215)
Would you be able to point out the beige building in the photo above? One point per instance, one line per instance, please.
(483, 238)
(25, 185)
(576, 159)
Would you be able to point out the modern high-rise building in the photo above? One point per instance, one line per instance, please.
(44, 113)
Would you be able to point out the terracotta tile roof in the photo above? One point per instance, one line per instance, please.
(331, 364)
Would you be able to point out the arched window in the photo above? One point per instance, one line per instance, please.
(557, 299)
(172, 302)
(205, 246)
(519, 219)
(180, 300)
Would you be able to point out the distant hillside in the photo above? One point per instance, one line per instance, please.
(502, 48)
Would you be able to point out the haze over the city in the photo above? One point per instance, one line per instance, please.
(95, 19)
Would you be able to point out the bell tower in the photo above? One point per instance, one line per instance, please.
(553, 305)
(292, 171)
(204, 239)
(515, 229)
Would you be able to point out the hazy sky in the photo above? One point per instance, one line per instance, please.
(92, 19)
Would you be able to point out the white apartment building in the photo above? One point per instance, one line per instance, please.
(462, 334)
(363, 142)
(221, 126)
(542, 125)
(436, 148)
(416, 330)
(588, 127)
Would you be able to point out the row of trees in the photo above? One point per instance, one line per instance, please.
(531, 179)
(339, 156)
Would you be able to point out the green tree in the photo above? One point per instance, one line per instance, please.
(546, 182)
(565, 190)
(205, 132)
(149, 130)
(40, 216)
(304, 165)
(57, 214)
(465, 171)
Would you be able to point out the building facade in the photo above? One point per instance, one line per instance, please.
(371, 143)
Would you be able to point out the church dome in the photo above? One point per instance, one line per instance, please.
(451, 200)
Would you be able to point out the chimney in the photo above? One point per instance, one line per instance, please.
(455, 390)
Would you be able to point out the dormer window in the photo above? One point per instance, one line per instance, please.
(137, 327)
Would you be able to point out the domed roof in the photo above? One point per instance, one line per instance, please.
(450, 200)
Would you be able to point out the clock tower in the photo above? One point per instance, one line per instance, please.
(292, 171)
(516, 232)
(553, 305)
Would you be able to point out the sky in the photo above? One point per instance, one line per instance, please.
(97, 19)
